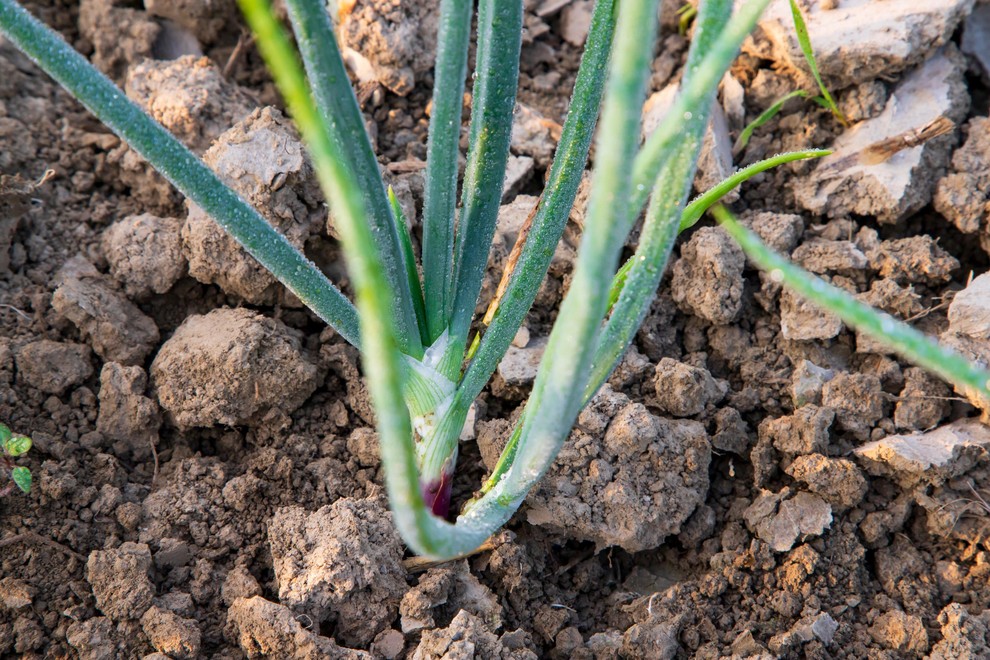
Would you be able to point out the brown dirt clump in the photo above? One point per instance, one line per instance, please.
(282, 188)
(128, 418)
(120, 581)
(625, 477)
(708, 277)
(117, 329)
(53, 367)
(190, 97)
(145, 254)
(231, 366)
(397, 41)
(341, 562)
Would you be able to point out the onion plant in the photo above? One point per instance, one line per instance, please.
(414, 322)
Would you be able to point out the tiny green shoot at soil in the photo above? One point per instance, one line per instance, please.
(426, 357)
(13, 445)
(804, 40)
(824, 99)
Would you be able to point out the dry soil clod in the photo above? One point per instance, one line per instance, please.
(342, 563)
(896, 187)
(116, 328)
(145, 254)
(931, 457)
(262, 158)
(231, 366)
(625, 477)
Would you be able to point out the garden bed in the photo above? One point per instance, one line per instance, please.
(754, 479)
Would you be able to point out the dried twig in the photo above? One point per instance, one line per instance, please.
(243, 42)
(882, 150)
(17, 311)
(510, 265)
(154, 452)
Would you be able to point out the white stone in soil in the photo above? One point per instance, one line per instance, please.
(518, 170)
(469, 432)
(904, 183)
(931, 457)
(533, 135)
(969, 313)
(519, 366)
(859, 40)
(360, 66)
(575, 22)
(512, 217)
(521, 340)
(781, 521)
(715, 160)
(733, 100)
(821, 626)
(551, 7)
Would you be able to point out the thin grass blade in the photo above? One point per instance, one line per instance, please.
(804, 39)
(614, 342)
(763, 118)
(685, 15)
(694, 210)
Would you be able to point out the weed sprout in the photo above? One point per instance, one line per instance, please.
(12, 446)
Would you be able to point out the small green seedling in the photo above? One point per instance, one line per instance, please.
(804, 39)
(13, 445)
(764, 117)
(685, 15)
(825, 99)
(414, 322)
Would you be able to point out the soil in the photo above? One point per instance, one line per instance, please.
(206, 473)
